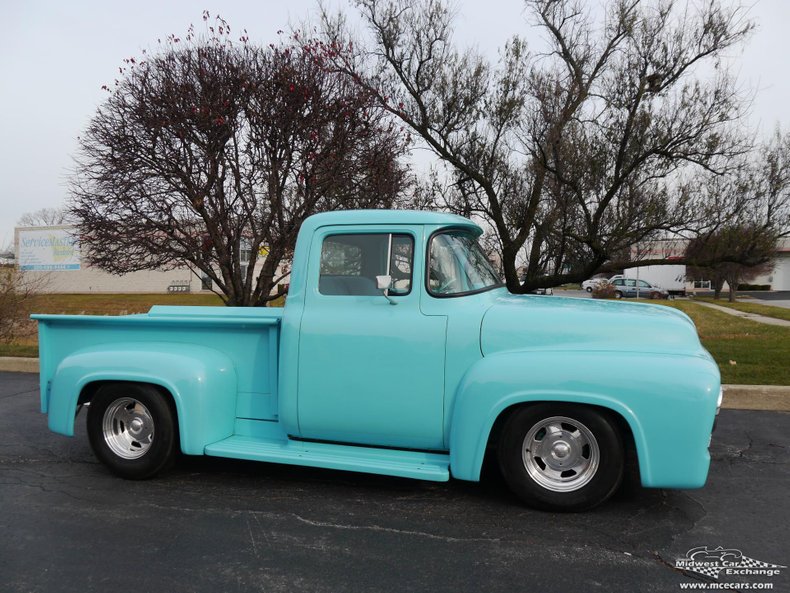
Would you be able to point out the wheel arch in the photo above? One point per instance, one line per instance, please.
(621, 424)
(89, 390)
(466, 461)
(200, 382)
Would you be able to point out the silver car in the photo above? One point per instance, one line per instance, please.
(593, 283)
(631, 287)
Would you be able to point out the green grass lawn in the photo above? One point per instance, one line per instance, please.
(747, 352)
(26, 347)
(114, 304)
(751, 307)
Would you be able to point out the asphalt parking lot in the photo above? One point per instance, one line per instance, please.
(215, 525)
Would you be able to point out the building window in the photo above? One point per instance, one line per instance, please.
(205, 282)
(245, 251)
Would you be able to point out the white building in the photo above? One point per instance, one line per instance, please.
(779, 277)
(52, 254)
(673, 276)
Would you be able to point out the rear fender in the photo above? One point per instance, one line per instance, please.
(202, 382)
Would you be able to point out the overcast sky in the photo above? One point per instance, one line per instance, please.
(55, 56)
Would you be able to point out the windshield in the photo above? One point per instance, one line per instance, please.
(457, 265)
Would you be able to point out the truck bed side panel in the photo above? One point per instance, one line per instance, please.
(234, 351)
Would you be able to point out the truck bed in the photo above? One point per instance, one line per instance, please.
(249, 337)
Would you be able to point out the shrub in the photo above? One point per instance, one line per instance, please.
(15, 294)
(754, 287)
(603, 290)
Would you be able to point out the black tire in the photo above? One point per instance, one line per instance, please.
(132, 430)
(597, 474)
(588, 289)
(618, 294)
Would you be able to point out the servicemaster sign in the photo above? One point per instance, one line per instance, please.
(48, 250)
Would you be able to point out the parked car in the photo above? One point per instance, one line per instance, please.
(593, 283)
(631, 287)
(399, 351)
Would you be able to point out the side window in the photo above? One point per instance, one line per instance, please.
(457, 264)
(643, 284)
(401, 258)
(351, 262)
(617, 282)
(630, 282)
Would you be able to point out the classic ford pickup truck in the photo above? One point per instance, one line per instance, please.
(398, 352)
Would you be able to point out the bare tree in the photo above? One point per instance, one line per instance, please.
(574, 154)
(744, 244)
(7, 253)
(771, 194)
(751, 243)
(16, 293)
(210, 150)
(44, 217)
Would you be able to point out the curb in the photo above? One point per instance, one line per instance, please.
(774, 398)
(18, 364)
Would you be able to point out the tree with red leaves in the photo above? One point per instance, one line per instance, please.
(212, 152)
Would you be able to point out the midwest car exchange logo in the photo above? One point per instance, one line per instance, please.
(731, 562)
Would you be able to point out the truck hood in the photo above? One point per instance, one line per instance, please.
(523, 322)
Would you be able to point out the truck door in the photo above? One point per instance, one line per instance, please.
(370, 372)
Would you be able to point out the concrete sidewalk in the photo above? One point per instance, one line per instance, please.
(749, 316)
(736, 397)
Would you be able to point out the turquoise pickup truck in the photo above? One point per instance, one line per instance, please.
(398, 352)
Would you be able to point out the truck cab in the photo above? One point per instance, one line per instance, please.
(381, 355)
(399, 351)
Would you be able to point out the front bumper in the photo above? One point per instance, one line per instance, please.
(718, 409)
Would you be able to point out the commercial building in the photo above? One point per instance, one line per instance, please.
(672, 276)
(53, 257)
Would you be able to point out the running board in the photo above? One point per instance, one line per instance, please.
(389, 462)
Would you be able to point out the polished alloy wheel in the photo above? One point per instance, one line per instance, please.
(128, 428)
(560, 454)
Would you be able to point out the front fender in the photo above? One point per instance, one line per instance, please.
(201, 380)
(668, 401)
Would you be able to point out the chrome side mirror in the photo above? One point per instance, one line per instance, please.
(383, 283)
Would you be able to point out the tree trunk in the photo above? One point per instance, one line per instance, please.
(733, 281)
(717, 287)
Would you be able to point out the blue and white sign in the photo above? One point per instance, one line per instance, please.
(48, 250)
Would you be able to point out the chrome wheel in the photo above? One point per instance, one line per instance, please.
(128, 428)
(560, 454)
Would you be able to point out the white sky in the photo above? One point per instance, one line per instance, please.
(55, 56)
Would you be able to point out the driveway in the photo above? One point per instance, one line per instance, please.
(780, 298)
